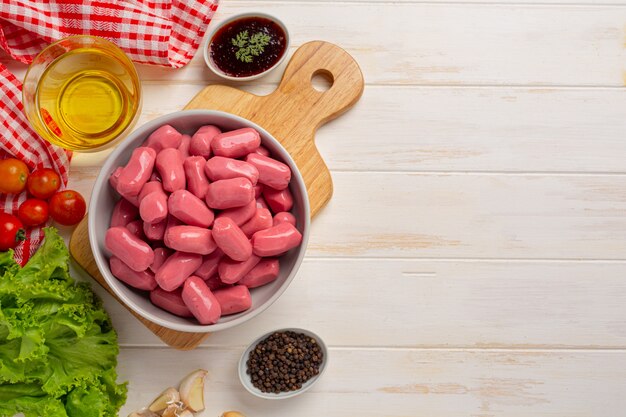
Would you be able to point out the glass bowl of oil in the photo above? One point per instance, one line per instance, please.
(82, 93)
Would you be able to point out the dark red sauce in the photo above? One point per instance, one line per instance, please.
(247, 46)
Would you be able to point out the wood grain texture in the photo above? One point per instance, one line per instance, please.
(295, 110)
(81, 252)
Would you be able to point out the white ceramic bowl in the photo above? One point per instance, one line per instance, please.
(247, 381)
(207, 47)
(103, 198)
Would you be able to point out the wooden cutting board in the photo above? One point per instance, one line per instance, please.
(292, 114)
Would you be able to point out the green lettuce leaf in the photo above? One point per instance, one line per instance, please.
(58, 349)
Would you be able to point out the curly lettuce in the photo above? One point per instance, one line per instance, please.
(58, 349)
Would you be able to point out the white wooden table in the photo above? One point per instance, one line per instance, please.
(472, 261)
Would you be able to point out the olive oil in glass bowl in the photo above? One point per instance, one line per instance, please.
(82, 93)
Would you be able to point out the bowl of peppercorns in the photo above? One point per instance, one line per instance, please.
(283, 363)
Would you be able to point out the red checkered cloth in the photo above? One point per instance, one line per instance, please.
(161, 32)
(18, 139)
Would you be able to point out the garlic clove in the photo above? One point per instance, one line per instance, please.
(232, 414)
(174, 410)
(192, 390)
(167, 397)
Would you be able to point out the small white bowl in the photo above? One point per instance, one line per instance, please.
(246, 380)
(207, 47)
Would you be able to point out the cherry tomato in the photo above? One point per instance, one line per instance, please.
(33, 212)
(13, 175)
(67, 207)
(11, 231)
(43, 183)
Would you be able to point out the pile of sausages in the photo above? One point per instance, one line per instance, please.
(194, 223)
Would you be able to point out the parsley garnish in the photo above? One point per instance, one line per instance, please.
(250, 46)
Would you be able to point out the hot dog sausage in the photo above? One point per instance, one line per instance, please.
(220, 168)
(231, 240)
(160, 255)
(233, 299)
(224, 194)
(142, 280)
(272, 173)
(240, 215)
(262, 150)
(170, 301)
(164, 137)
(197, 182)
(176, 269)
(189, 209)
(209, 264)
(185, 141)
(136, 172)
(153, 208)
(232, 271)
(278, 200)
(155, 231)
(236, 143)
(263, 273)
(150, 187)
(261, 220)
(284, 217)
(201, 301)
(123, 213)
(191, 239)
(276, 240)
(137, 254)
(169, 163)
(201, 140)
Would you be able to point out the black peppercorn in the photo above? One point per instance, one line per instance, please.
(284, 361)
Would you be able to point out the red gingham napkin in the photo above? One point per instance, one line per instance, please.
(161, 32)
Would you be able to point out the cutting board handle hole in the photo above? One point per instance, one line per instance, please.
(322, 80)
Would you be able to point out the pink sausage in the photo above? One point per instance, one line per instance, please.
(155, 231)
(176, 269)
(136, 172)
(160, 255)
(232, 271)
(164, 137)
(215, 283)
(142, 280)
(155, 176)
(262, 150)
(224, 194)
(189, 209)
(135, 253)
(258, 190)
(276, 240)
(169, 163)
(236, 143)
(278, 200)
(123, 213)
(263, 273)
(233, 299)
(201, 140)
(261, 220)
(220, 168)
(260, 203)
(153, 208)
(240, 215)
(284, 217)
(150, 187)
(201, 301)
(231, 240)
(272, 173)
(170, 301)
(115, 177)
(209, 264)
(191, 239)
(197, 182)
(185, 141)
(136, 228)
(171, 222)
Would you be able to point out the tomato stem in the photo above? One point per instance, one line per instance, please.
(20, 235)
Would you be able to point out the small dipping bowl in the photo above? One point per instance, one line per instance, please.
(229, 30)
(246, 379)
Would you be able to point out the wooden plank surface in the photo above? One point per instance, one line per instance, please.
(472, 260)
